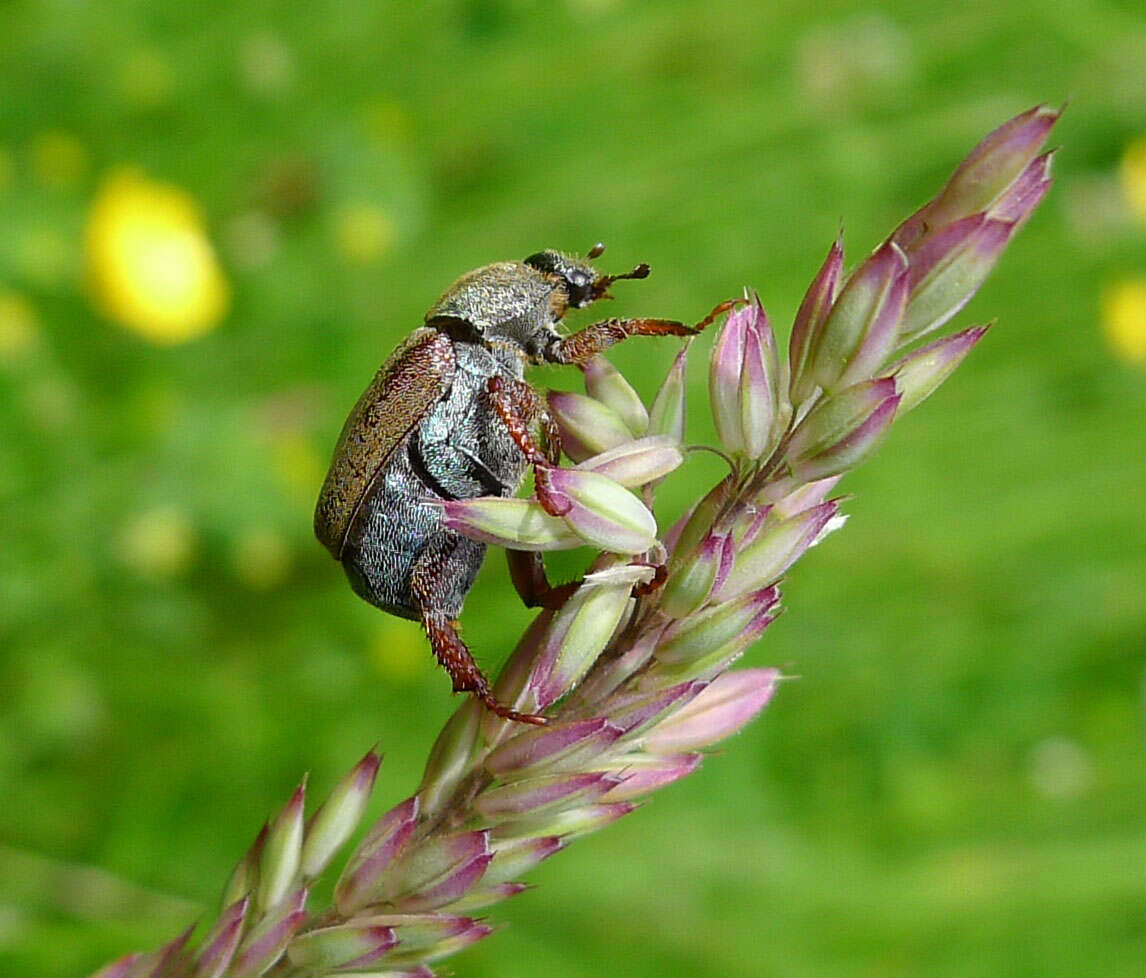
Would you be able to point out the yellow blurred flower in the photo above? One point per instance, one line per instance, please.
(1124, 318)
(262, 558)
(150, 265)
(1132, 172)
(18, 327)
(399, 650)
(59, 159)
(363, 233)
(159, 543)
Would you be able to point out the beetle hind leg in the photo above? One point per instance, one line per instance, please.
(429, 589)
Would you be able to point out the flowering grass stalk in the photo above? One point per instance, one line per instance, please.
(633, 671)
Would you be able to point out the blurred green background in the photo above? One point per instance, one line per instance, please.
(956, 784)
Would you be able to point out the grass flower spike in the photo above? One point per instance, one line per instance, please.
(633, 672)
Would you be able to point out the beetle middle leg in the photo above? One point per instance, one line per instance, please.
(517, 404)
(588, 342)
(527, 571)
(429, 585)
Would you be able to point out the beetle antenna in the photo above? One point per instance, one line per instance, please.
(603, 283)
(596, 251)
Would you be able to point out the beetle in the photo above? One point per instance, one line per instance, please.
(450, 416)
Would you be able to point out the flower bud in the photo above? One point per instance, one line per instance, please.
(692, 647)
(346, 946)
(267, 940)
(566, 823)
(778, 545)
(442, 949)
(417, 931)
(361, 879)
(575, 638)
(920, 373)
(690, 583)
(485, 894)
(692, 528)
(603, 513)
(221, 941)
(538, 796)
(842, 430)
(129, 966)
(988, 171)
(512, 686)
(339, 816)
(605, 383)
(861, 328)
(667, 414)
(743, 382)
(809, 323)
(641, 773)
(552, 748)
(1025, 194)
(722, 709)
(947, 270)
(281, 855)
(637, 712)
(805, 497)
(245, 876)
(515, 857)
(588, 427)
(437, 871)
(610, 673)
(516, 524)
(637, 463)
(167, 960)
(449, 760)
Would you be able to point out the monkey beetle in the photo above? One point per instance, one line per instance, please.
(450, 416)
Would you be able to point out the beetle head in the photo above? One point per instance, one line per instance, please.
(582, 283)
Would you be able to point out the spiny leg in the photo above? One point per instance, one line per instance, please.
(431, 569)
(513, 407)
(588, 342)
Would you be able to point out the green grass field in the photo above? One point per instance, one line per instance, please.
(954, 787)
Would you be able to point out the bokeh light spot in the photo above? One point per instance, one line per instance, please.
(159, 543)
(1132, 173)
(1124, 318)
(1060, 768)
(262, 558)
(267, 65)
(19, 328)
(363, 233)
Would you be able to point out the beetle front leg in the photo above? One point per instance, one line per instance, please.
(427, 582)
(588, 342)
(516, 408)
